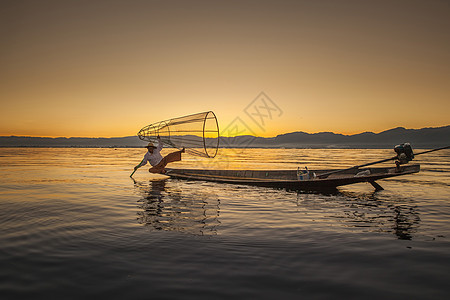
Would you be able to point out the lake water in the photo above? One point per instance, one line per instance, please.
(73, 224)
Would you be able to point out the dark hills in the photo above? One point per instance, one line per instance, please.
(419, 138)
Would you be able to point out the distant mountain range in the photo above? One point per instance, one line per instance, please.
(419, 138)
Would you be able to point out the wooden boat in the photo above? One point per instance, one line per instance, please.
(290, 179)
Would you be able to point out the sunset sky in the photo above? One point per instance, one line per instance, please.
(107, 68)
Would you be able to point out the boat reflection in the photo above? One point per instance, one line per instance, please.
(194, 208)
(370, 212)
(165, 206)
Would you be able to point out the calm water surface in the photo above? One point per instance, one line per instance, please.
(73, 224)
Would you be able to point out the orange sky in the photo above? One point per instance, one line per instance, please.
(108, 68)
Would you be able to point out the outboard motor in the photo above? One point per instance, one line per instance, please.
(404, 153)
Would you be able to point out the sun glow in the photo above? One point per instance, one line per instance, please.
(97, 71)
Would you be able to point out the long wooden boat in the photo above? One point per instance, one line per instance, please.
(290, 179)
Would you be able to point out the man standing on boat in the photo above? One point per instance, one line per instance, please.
(155, 158)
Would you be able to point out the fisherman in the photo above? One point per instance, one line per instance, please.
(155, 158)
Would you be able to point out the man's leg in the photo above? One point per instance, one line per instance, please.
(171, 157)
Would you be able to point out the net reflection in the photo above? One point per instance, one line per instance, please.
(371, 212)
(166, 206)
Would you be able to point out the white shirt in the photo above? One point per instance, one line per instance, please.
(154, 158)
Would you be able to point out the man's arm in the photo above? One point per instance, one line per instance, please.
(142, 163)
(160, 144)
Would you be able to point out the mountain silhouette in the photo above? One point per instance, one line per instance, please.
(419, 138)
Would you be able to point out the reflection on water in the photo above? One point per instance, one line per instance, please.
(189, 207)
(367, 211)
(170, 208)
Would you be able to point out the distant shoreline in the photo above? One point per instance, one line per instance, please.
(425, 138)
(343, 147)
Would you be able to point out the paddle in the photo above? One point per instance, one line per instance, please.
(136, 168)
(325, 175)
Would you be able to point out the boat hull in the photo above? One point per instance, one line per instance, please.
(288, 178)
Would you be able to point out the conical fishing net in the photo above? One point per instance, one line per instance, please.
(198, 133)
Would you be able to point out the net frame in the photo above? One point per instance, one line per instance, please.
(196, 131)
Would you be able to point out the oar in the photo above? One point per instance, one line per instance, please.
(136, 169)
(325, 175)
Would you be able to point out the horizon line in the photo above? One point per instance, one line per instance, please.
(112, 137)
